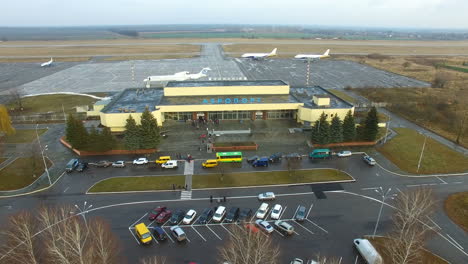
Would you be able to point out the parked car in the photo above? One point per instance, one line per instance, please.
(367, 159)
(118, 164)
(262, 210)
(264, 225)
(157, 211)
(276, 211)
(251, 228)
(297, 261)
(344, 153)
(71, 165)
(163, 217)
(300, 214)
(163, 159)
(252, 159)
(176, 217)
(275, 158)
(178, 233)
(294, 156)
(140, 161)
(189, 216)
(82, 166)
(143, 233)
(266, 196)
(159, 233)
(205, 217)
(232, 215)
(210, 163)
(284, 227)
(244, 215)
(219, 214)
(170, 164)
(262, 162)
(103, 164)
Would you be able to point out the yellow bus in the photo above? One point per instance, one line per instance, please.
(229, 156)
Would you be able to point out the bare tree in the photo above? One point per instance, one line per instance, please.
(411, 217)
(17, 96)
(154, 260)
(293, 164)
(247, 247)
(327, 260)
(105, 243)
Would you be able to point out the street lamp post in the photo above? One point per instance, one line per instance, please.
(385, 195)
(422, 151)
(84, 210)
(42, 154)
(386, 132)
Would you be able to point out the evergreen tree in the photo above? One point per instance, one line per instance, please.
(81, 134)
(323, 130)
(149, 131)
(94, 140)
(108, 140)
(371, 127)
(349, 127)
(314, 136)
(361, 131)
(132, 134)
(70, 130)
(336, 130)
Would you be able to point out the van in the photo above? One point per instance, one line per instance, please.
(320, 154)
(170, 164)
(71, 165)
(159, 234)
(261, 162)
(367, 251)
(143, 233)
(219, 214)
(210, 163)
(163, 159)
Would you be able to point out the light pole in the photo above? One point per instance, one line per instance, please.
(83, 210)
(386, 132)
(385, 195)
(42, 154)
(422, 151)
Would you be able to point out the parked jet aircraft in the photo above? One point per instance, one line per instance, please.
(312, 56)
(47, 64)
(259, 55)
(179, 76)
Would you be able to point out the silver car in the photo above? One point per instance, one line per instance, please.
(118, 164)
(266, 196)
(178, 233)
(264, 225)
(284, 227)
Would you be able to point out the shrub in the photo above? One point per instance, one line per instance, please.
(378, 56)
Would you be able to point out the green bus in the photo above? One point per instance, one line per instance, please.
(320, 154)
(229, 156)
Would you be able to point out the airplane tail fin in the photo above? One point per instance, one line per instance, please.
(273, 52)
(205, 70)
(326, 52)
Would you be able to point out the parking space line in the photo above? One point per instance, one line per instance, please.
(227, 229)
(133, 235)
(296, 211)
(317, 225)
(154, 238)
(168, 235)
(152, 222)
(186, 237)
(198, 233)
(279, 232)
(356, 259)
(434, 222)
(138, 219)
(213, 232)
(310, 209)
(370, 188)
(454, 241)
(305, 228)
(282, 213)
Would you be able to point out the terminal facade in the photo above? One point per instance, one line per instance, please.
(221, 100)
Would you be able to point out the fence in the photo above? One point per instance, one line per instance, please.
(45, 117)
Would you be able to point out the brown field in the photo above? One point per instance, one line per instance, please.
(149, 57)
(40, 60)
(50, 51)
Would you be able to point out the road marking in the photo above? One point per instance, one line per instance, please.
(377, 174)
(133, 235)
(186, 195)
(310, 209)
(66, 189)
(455, 241)
(457, 182)
(198, 233)
(444, 182)
(138, 219)
(296, 211)
(213, 232)
(168, 235)
(154, 238)
(434, 222)
(370, 188)
(355, 261)
(305, 228)
(226, 229)
(317, 225)
(413, 185)
(278, 232)
(282, 213)
(152, 222)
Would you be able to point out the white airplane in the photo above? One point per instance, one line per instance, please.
(259, 55)
(47, 64)
(313, 56)
(179, 76)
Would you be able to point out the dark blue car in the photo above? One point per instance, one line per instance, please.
(261, 162)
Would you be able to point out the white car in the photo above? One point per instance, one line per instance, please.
(262, 211)
(264, 225)
(189, 217)
(297, 261)
(219, 214)
(118, 164)
(140, 161)
(344, 153)
(276, 211)
(171, 164)
(266, 196)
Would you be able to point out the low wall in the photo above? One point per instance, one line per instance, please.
(110, 152)
(235, 148)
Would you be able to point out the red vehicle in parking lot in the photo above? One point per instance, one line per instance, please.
(163, 217)
(156, 212)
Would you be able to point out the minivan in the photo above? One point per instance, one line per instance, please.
(210, 163)
(163, 159)
(71, 165)
(219, 214)
(170, 164)
(159, 234)
(261, 162)
(143, 233)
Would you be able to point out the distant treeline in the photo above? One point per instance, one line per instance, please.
(125, 32)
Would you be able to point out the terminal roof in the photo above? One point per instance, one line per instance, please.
(224, 83)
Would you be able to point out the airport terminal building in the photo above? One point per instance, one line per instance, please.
(220, 100)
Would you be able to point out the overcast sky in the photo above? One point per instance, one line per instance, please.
(373, 13)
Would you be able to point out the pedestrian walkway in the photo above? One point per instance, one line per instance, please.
(186, 195)
(188, 172)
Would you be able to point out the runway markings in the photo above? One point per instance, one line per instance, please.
(370, 188)
(434, 223)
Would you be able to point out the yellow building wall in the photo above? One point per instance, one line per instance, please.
(311, 115)
(225, 90)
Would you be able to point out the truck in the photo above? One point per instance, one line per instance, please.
(367, 251)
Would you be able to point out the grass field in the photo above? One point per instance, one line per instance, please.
(342, 95)
(23, 136)
(149, 57)
(426, 256)
(52, 103)
(20, 173)
(214, 180)
(456, 207)
(111, 50)
(404, 151)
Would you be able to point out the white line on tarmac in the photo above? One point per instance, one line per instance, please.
(310, 209)
(138, 219)
(355, 260)
(413, 185)
(305, 228)
(168, 235)
(370, 188)
(278, 232)
(455, 241)
(317, 225)
(434, 222)
(296, 211)
(66, 189)
(444, 182)
(457, 182)
(150, 224)
(226, 229)
(133, 235)
(154, 238)
(198, 233)
(282, 213)
(213, 232)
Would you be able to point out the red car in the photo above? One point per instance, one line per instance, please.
(163, 217)
(157, 211)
